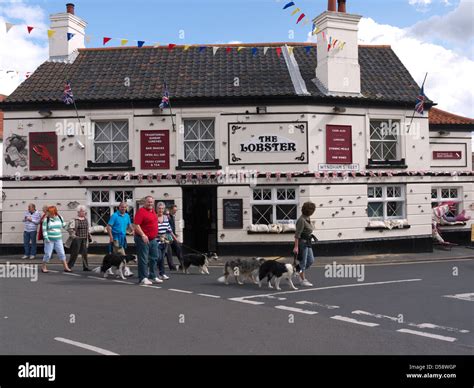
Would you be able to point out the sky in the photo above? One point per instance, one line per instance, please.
(434, 36)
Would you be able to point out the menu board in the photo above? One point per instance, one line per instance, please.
(154, 146)
(339, 144)
(233, 215)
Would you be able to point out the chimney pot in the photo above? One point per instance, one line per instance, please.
(70, 8)
(332, 5)
(341, 6)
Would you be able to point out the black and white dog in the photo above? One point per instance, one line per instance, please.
(116, 262)
(242, 268)
(273, 269)
(200, 260)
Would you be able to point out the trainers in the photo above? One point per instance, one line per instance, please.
(24, 257)
(164, 277)
(32, 257)
(306, 283)
(157, 280)
(146, 282)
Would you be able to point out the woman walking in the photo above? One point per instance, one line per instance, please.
(165, 236)
(303, 248)
(79, 238)
(53, 224)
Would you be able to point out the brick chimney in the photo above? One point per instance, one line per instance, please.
(60, 48)
(338, 70)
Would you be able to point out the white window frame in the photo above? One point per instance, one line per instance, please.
(95, 142)
(214, 139)
(398, 142)
(458, 200)
(384, 199)
(274, 202)
(111, 204)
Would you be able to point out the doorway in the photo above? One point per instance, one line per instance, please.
(200, 218)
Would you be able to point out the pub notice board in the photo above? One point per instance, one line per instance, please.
(233, 214)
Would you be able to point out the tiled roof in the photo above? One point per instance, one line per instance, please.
(440, 117)
(101, 74)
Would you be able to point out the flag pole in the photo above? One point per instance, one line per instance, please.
(414, 110)
(171, 109)
(75, 108)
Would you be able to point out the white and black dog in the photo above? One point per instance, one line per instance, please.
(273, 269)
(200, 260)
(241, 268)
(116, 262)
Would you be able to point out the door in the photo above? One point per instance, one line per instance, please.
(200, 218)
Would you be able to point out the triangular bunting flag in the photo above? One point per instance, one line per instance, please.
(202, 48)
(156, 45)
(51, 33)
(290, 4)
(123, 42)
(228, 49)
(29, 29)
(106, 40)
(8, 26)
(334, 43)
(171, 46)
(315, 31)
(187, 47)
(70, 35)
(265, 49)
(290, 49)
(239, 48)
(308, 49)
(278, 51)
(254, 50)
(214, 50)
(300, 18)
(140, 43)
(295, 11)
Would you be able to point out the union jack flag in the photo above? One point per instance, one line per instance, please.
(165, 101)
(68, 97)
(420, 101)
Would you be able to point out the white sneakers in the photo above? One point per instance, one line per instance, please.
(164, 277)
(306, 283)
(32, 257)
(24, 257)
(157, 280)
(146, 282)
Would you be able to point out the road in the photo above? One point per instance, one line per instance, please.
(398, 309)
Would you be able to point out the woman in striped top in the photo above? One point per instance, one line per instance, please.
(165, 236)
(53, 238)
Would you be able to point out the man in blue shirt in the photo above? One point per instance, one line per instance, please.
(117, 228)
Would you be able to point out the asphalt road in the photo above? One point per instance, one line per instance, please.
(398, 309)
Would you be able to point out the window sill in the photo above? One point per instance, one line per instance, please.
(92, 166)
(386, 228)
(287, 232)
(453, 225)
(386, 164)
(214, 165)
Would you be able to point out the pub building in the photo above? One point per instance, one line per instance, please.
(254, 131)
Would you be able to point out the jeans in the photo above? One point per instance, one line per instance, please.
(306, 257)
(78, 245)
(162, 249)
(58, 247)
(147, 258)
(30, 249)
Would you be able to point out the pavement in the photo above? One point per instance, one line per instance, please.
(423, 307)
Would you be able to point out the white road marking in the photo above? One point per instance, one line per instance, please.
(296, 310)
(122, 281)
(183, 291)
(242, 300)
(149, 286)
(71, 274)
(85, 346)
(360, 312)
(329, 288)
(53, 271)
(96, 277)
(352, 320)
(273, 297)
(469, 296)
(327, 306)
(433, 326)
(210, 296)
(423, 334)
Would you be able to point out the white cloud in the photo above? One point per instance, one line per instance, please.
(19, 51)
(419, 2)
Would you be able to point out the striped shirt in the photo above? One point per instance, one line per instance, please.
(52, 230)
(164, 227)
(31, 226)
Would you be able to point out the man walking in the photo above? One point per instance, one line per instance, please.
(175, 247)
(146, 231)
(117, 228)
(31, 219)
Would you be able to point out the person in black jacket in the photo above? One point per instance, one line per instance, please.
(175, 246)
